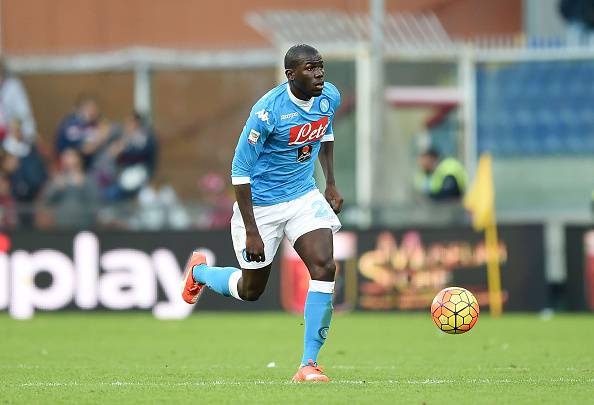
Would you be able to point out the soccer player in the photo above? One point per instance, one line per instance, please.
(272, 173)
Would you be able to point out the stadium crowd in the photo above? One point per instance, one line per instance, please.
(91, 173)
(96, 172)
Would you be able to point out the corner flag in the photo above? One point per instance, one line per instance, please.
(480, 201)
(480, 198)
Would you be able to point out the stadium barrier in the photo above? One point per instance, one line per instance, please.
(403, 269)
(107, 270)
(377, 270)
(579, 248)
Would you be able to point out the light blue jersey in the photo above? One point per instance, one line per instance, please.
(280, 143)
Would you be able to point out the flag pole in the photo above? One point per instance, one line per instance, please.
(493, 270)
(480, 201)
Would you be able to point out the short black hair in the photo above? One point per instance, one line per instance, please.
(297, 53)
(432, 151)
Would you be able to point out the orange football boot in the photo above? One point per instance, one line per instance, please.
(190, 288)
(310, 372)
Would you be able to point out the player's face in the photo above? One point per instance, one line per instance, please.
(308, 76)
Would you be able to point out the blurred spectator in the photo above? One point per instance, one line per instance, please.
(128, 162)
(26, 171)
(159, 207)
(138, 144)
(8, 212)
(83, 130)
(14, 105)
(579, 15)
(71, 193)
(220, 204)
(440, 180)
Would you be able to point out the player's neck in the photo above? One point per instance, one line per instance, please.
(297, 93)
(305, 105)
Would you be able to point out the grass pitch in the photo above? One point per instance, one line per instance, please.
(250, 358)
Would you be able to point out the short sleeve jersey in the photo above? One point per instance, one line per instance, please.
(280, 143)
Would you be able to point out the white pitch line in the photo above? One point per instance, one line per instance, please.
(482, 381)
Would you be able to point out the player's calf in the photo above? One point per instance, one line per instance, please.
(250, 294)
(318, 314)
(197, 274)
(253, 283)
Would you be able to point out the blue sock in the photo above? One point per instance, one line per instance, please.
(318, 314)
(216, 278)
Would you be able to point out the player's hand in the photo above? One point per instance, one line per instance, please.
(254, 247)
(334, 198)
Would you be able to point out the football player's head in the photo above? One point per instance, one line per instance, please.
(304, 68)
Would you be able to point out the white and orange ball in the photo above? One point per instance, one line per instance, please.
(454, 310)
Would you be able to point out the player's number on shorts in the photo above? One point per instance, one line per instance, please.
(322, 210)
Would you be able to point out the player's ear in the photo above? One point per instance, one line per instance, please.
(290, 73)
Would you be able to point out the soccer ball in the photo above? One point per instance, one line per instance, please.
(454, 310)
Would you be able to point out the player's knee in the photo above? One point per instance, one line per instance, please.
(324, 270)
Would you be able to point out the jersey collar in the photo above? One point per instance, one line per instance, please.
(304, 105)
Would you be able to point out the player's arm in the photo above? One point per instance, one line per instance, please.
(326, 156)
(249, 147)
(254, 246)
(331, 193)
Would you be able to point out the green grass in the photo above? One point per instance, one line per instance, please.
(223, 358)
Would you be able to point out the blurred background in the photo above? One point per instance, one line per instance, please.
(118, 123)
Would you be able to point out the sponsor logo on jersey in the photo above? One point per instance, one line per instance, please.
(263, 115)
(312, 131)
(304, 153)
(253, 136)
(290, 115)
(324, 105)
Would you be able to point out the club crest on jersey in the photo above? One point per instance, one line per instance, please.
(312, 131)
(253, 137)
(324, 105)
